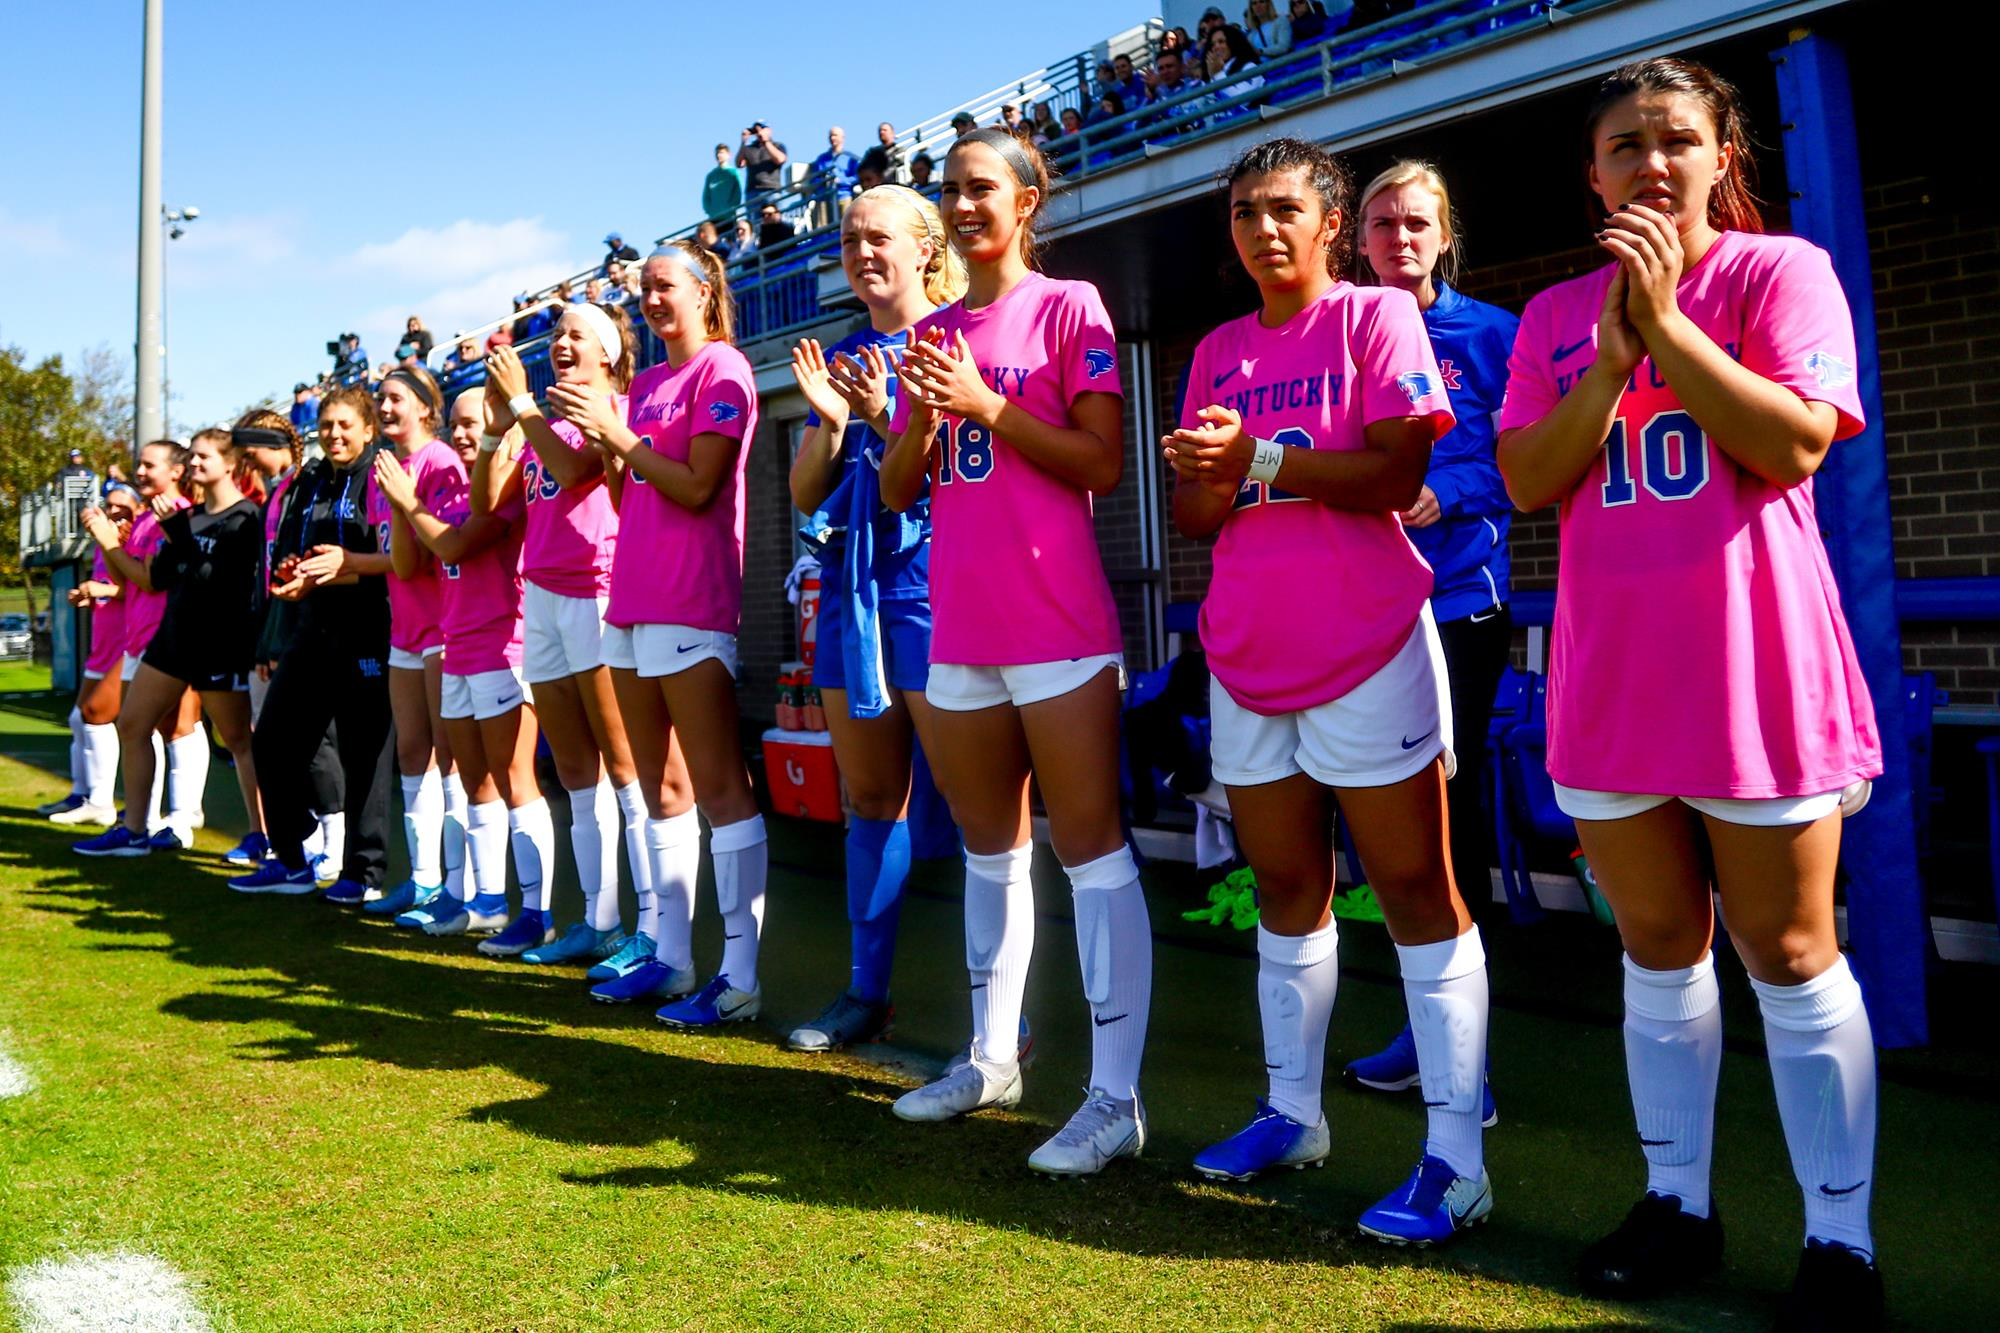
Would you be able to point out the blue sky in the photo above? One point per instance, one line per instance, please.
(356, 163)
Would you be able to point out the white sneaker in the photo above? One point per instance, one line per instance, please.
(1103, 1129)
(968, 1087)
(102, 815)
(326, 871)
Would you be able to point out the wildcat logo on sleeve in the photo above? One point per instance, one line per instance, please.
(1417, 385)
(1829, 370)
(724, 411)
(1097, 361)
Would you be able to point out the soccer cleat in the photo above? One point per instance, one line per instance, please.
(1837, 1287)
(971, 1086)
(1394, 1069)
(440, 906)
(525, 932)
(1655, 1249)
(399, 899)
(114, 841)
(167, 840)
(581, 943)
(472, 919)
(272, 877)
(1102, 1130)
(326, 871)
(253, 849)
(69, 802)
(1272, 1139)
(344, 892)
(636, 950)
(1432, 1206)
(1024, 1054)
(86, 813)
(847, 1021)
(651, 980)
(716, 1003)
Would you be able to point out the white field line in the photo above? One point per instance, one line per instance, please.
(15, 1080)
(116, 1291)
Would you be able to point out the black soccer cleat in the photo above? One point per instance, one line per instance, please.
(1656, 1249)
(1837, 1290)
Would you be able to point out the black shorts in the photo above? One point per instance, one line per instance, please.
(203, 677)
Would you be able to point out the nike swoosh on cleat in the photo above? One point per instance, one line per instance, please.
(1105, 1022)
(1832, 1193)
(1413, 744)
(729, 1013)
(1563, 353)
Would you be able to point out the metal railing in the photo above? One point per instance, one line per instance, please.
(50, 530)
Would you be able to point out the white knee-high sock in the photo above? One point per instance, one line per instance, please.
(1823, 1064)
(423, 828)
(451, 842)
(999, 940)
(741, 857)
(1445, 986)
(673, 851)
(156, 817)
(593, 840)
(632, 808)
(1297, 976)
(486, 848)
(78, 783)
(1673, 1057)
(187, 781)
(532, 831)
(333, 839)
(100, 762)
(1114, 944)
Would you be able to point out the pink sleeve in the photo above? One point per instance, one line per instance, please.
(1799, 333)
(1089, 349)
(1398, 370)
(721, 405)
(1192, 397)
(1531, 388)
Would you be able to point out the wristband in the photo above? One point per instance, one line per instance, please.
(489, 444)
(524, 405)
(1268, 457)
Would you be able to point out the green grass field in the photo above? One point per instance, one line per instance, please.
(328, 1124)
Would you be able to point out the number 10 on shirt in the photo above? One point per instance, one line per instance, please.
(967, 453)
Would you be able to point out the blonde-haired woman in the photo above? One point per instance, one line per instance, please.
(874, 629)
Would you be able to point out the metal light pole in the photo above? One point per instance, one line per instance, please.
(149, 352)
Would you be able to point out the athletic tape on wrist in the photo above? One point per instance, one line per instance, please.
(1265, 462)
(524, 405)
(489, 444)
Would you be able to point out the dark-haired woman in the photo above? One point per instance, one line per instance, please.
(1321, 409)
(1676, 404)
(207, 565)
(1013, 409)
(328, 563)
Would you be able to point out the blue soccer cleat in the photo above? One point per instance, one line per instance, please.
(400, 899)
(717, 1003)
(342, 892)
(485, 914)
(1394, 1069)
(581, 943)
(650, 980)
(272, 877)
(166, 840)
(440, 906)
(1432, 1206)
(527, 931)
(1271, 1140)
(636, 950)
(114, 841)
(254, 848)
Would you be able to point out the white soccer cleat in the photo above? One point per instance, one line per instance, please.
(968, 1087)
(1102, 1130)
(102, 815)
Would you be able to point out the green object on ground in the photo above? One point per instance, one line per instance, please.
(1233, 899)
(1357, 904)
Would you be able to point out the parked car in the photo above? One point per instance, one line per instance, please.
(15, 641)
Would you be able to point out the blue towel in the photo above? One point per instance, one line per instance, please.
(849, 522)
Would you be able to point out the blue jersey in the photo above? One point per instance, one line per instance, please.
(900, 564)
(1467, 547)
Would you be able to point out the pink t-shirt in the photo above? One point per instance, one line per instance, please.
(480, 598)
(413, 602)
(675, 566)
(1015, 571)
(144, 610)
(1699, 648)
(107, 622)
(571, 533)
(1307, 601)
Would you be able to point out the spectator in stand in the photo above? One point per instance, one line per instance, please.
(869, 173)
(708, 238)
(1175, 39)
(566, 293)
(500, 337)
(1106, 80)
(417, 342)
(350, 362)
(1043, 118)
(1312, 20)
(614, 279)
(1131, 84)
(616, 251)
(1211, 19)
(895, 168)
(593, 291)
(1010, 119)
(533, 323)
(833, 175)
(963, 124)
(1072, 121)
(305, 407)
(743, 243)
(1229, 54)
(722, 188)
(772, 227)
(921, 170)
(1269, 31)
(466, 354)
(763, 161)
(1168, 79)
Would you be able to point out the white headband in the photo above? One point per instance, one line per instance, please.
(601, 325)
(688, 261)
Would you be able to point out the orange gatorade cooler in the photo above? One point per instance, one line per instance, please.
(804, 779)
